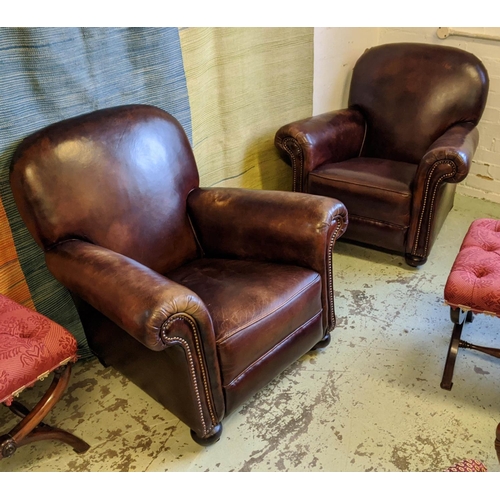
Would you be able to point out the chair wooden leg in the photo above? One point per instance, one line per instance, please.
(322, 343)
(497, 442)
(31, 428)
(208, 440)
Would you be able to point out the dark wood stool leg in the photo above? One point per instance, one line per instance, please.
(31, 428)
(458, 317)
(491, 351)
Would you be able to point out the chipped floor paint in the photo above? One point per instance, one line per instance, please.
(370, 401)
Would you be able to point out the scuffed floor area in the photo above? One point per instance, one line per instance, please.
(370, 401)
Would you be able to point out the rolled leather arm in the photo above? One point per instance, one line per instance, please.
(326, 138)
(136, 298)
(448, 159)
(276, 226)
(454, 149)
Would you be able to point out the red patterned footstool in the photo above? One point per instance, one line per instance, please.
(32, 347)
(473, 286)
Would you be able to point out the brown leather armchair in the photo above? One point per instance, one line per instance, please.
(394, 156)
(199, 296)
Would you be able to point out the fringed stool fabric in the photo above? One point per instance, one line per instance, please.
(467, 465)
(31, 347)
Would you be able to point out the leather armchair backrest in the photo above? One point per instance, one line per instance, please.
(117, 177)
(411, 93)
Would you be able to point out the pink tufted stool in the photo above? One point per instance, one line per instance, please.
(32, 347)
(473, 286)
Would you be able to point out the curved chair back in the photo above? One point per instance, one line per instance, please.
(410, 93)
(121, 186)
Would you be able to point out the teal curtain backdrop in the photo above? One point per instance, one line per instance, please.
(49, 74)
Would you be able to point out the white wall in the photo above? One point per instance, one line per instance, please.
(335, 52)
(337, 49)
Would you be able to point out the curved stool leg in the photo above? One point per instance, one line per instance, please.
(31, 428)
(459, 318)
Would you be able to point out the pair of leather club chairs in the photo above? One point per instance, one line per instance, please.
(201, 296)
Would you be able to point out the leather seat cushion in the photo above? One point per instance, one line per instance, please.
(370, 188)
(254, 305)
(31, 346)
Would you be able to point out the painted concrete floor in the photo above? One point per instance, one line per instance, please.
(370, 401)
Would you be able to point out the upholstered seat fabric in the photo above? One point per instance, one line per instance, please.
(278, 299)
(473, 283)
(31, 346)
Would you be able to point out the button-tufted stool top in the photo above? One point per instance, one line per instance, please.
(474, 280)
(31, 346)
